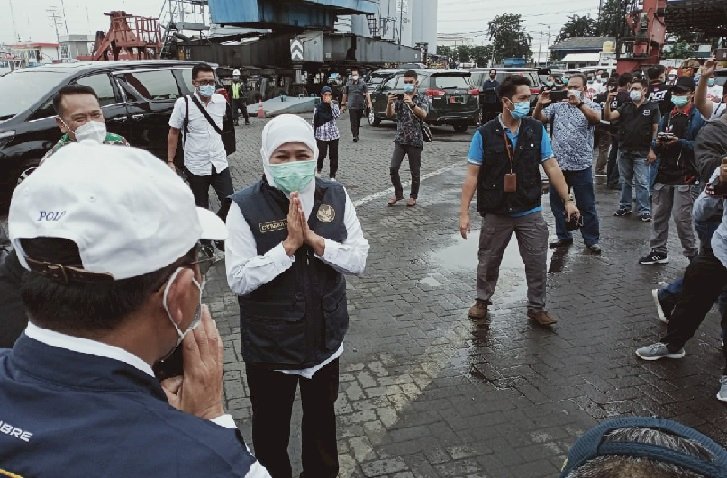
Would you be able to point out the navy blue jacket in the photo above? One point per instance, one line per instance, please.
(63, 413)
(300, 318)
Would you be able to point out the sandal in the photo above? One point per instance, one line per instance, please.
(393, 200)
(411, 202)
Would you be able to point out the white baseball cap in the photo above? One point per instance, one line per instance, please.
(125, 210)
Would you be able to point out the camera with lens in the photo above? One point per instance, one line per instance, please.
(719, 185)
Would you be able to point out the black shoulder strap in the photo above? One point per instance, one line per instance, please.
(186, 120)
(207, 115)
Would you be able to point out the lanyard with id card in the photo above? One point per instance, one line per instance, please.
(510, 179)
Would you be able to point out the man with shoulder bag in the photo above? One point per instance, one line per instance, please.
(206, 143)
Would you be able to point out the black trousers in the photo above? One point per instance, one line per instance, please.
(415, 165)
(272, 394)
(703, 282)
(490, 111)
(612, 173)
(330, 148)
(222, 184)
(355, 115)
(240, 104)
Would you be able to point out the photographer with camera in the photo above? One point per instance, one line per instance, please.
(637, 128)
(572, 135)
(704, 280)
(109, 238)
(671, 195)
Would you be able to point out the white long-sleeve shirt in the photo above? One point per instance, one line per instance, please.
(246, 270)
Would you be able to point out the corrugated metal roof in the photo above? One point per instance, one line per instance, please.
(582, 43)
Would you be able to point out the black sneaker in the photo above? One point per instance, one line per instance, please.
(654, 257)
(355, 139)
(622, 212)
(645, 217)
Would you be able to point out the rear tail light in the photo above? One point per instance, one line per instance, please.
(434, 92)
(475, 92)
(535, 91)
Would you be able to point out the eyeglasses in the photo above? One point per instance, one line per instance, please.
(205, 258)
(205, 82)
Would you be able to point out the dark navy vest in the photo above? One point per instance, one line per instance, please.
(64, 413)
(491, 197)
(298, 319)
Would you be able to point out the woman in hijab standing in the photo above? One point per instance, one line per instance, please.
(326, 131)
(292, 237)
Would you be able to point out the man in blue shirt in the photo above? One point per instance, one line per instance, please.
(504, 170)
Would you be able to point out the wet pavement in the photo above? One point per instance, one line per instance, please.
(427, 392)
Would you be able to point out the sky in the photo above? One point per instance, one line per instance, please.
(32, 21)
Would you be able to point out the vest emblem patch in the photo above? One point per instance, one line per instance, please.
(273, 226)
(326, 213)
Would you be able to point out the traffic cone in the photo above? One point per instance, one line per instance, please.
(260, 110)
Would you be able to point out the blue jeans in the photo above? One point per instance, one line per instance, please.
(582, 184)
(633, 168)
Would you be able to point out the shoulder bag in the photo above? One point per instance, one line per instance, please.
(227, 132)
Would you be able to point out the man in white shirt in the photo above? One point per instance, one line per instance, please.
(205, 160)
(114, 286)
(291, 238)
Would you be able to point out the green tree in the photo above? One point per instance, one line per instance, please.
(679, 50)
(577, 26)
(481, 55)
(508, 36)
(445, 51)
(464, 53)
(610, 21)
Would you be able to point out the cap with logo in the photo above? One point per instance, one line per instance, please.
(592, 445)
(125, 210)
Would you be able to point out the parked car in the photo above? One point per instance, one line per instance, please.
(377, 77)
(557, 75)
(720, 78)
(480, 75)
(452, 98)
(137, 98)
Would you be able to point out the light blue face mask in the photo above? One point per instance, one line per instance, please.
(206, 90)
(408, 89)
(521, 110)
(710, 81)
(679, 100)
(293, 176)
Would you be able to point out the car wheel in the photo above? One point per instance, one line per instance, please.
(373, 120)
(459, 128)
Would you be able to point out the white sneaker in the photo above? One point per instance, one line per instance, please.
(722, 394)
(657, 351)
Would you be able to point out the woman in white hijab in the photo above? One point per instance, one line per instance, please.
(291, 239)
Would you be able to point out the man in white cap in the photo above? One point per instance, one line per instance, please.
(239, 101)
(291, 238)
(106, 302)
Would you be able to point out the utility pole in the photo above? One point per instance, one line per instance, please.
(55, 18)
(401, 18)
(16, 37)
(65, 18)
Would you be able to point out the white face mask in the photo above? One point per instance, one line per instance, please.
(635, 95)
(354, 77)
(197, 315)
(91, 130)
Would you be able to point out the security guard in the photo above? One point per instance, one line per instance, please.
(239, 101)
(291, 237)
(113, 286)
(504, 170)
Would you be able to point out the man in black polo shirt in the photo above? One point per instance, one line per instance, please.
(490, 104)
(356, 96)
(638, 124)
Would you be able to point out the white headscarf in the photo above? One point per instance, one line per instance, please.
(283, 129)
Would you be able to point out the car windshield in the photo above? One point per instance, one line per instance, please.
(378, 79)
(450, 82)
(21, 89)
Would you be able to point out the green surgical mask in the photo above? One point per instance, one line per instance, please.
(293, 176)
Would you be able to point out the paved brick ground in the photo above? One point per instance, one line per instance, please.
(425, 391)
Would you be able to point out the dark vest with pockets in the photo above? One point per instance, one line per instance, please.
(491, 197)
(298, 319)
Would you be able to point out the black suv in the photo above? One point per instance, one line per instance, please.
(137, 98)
(452, 99)
(480, 75)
